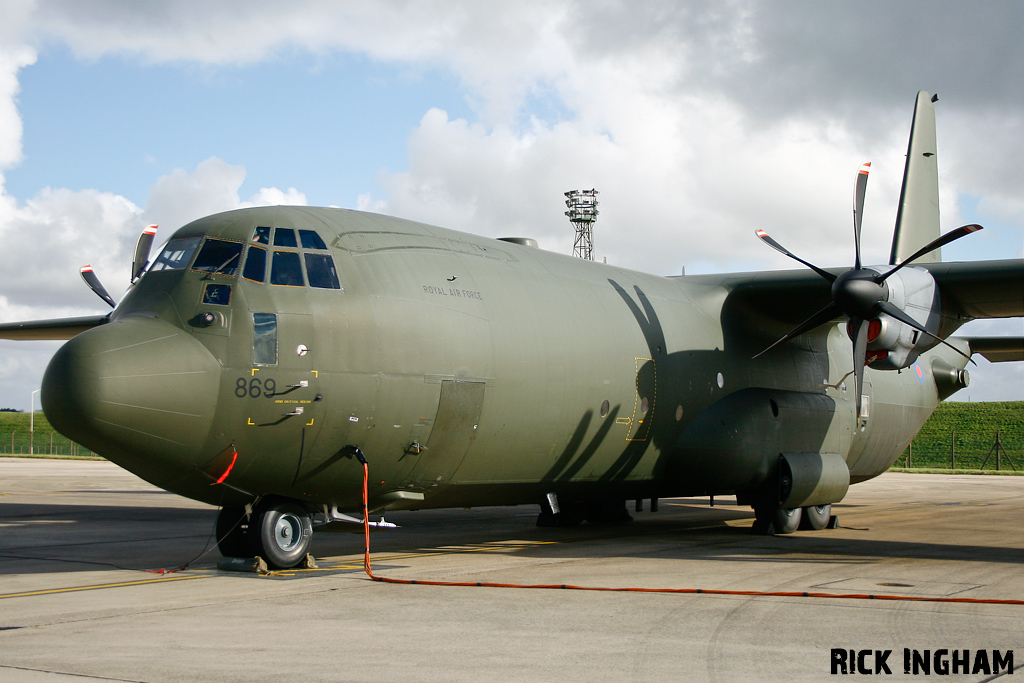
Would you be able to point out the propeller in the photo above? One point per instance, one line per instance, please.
(139, 263)
(861, 293)
(142, 247)
(95, 285)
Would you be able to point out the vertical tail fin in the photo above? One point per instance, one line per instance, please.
(917, 222)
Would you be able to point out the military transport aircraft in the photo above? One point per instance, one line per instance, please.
(264, 347)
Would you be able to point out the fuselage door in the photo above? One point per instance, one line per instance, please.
(453, 432)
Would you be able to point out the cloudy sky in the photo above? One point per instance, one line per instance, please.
(698, 122)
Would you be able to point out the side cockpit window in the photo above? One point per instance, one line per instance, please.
(218, 256)
(255, 264)
(175, 255)
(264, 338)
(320, 269)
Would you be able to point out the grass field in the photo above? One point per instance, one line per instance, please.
(965, 430)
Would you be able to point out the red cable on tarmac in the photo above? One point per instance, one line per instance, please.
(701, 591)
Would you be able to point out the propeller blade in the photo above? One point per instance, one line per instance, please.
(95, 285)
(893, 311)
(860, 351)
(142, 247)
(764, 237)
(858, 208)
(943, 240)
(819, 318)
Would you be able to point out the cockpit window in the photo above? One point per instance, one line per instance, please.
(255, 264)
(175, 254)
(320, 269)
(285, 237)
(286, 269)
(218, 256)
(311, 240)
(261, 236)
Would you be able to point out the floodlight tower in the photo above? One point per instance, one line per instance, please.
(582, 214)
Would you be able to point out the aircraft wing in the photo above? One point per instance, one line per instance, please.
(766, 305)
(982, 289)
(59, 328)
(997, 349)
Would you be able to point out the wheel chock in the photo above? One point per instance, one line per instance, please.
(249, 565)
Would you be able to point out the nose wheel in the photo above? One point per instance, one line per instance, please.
(279, 531)
(283, 532)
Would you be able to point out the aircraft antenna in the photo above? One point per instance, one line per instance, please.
(582, 214)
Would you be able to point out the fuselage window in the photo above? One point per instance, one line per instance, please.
(286, 269)
(218, 256)
(320, 269)
(261, 236)
(311, 240)
(285, 237)
(176, 254)
(255, 264)
(264, 338)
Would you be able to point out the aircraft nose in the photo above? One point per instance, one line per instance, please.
(138, 391)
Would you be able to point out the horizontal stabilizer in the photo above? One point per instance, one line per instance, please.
(59, 328)
(997, 349)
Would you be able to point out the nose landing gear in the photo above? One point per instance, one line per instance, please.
(277, 530)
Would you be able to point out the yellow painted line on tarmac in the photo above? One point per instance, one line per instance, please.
(123, 584)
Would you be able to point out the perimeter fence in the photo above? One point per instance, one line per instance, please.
(973, 450)
(46, 443)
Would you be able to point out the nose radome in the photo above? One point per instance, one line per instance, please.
(138, 391)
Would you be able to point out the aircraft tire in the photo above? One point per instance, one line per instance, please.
(232, 533)
(815, 518)
(283, 531)
(787, 520)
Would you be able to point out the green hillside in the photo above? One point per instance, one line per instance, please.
(968, 430)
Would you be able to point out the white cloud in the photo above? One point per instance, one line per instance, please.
(271, 196)
(182, 197)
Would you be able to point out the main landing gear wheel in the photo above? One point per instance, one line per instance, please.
(283, 531)
(233, 533)
(786, 520)
(816, 517)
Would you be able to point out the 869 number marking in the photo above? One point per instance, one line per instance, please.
(254, 388)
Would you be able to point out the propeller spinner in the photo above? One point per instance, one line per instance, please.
(861, 293)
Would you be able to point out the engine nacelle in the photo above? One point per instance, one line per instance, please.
(894, 344)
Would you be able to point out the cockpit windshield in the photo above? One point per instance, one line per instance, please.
(176, 254)
(218, 256)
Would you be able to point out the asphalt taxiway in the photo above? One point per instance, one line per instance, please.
(82, 544)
